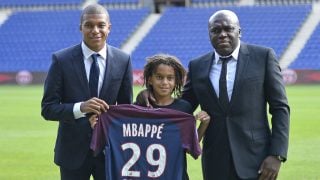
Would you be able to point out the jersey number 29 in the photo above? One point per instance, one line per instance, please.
(160, 162)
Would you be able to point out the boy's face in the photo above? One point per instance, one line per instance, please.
(163, 81)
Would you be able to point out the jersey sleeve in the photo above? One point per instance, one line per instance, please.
(190, 137)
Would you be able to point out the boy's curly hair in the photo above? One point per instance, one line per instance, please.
(154, 61)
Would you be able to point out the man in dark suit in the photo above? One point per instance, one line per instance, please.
(82, 81)
(239, 143)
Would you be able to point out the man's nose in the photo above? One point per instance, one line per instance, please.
(223, 33)
(95, 29)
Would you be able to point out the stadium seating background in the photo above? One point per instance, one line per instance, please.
(29, 36)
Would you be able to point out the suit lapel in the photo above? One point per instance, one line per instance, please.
(107, 74)
(210, 85)
(78, 64)
(205, 68)
(243, 60)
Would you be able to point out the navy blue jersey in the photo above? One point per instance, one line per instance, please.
(179, 105)
(144, 143)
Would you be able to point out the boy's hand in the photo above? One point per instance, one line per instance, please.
(203, 117)
(93, 120)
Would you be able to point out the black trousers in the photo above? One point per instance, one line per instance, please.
(217, 161)
(226, 169)
(94, 166)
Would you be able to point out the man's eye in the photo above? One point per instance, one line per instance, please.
(225, 29)
(158, 77)
(229, 29)
(215, 30)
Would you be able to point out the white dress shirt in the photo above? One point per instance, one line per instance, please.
(101, 59)
(231, 71)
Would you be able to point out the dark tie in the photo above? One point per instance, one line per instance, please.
(223, 92)
(94, 76)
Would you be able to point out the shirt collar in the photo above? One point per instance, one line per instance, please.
(235, 54)
(87, 52)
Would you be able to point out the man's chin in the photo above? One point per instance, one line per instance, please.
(224, 51)
(97, 46)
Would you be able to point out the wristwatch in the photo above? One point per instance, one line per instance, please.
(280, 158)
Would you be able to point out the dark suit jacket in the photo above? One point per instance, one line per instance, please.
(258, 82)
(67, 84)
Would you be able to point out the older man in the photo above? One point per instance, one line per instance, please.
(234, 83)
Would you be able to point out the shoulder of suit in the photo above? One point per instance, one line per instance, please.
(117, 50)
(68, 50)
(203, 57)
(256, 47)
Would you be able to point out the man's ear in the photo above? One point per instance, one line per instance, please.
(239, 32)
(109, 26)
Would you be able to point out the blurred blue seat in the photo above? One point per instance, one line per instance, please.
(13, 3)
(29, 38)
(183, 31)
(309, 57)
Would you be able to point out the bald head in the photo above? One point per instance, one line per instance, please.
(94, 9)
(226, 14)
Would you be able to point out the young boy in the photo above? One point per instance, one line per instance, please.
(164, 76)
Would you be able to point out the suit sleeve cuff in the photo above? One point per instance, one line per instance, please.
(77, 112)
